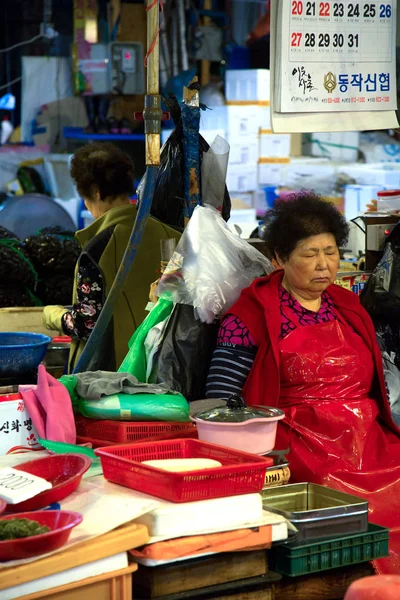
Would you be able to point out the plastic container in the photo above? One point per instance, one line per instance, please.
(121, 432)
(318, 511)
(61, 523)
(296, 559)
(388, 201)
(96, 443)
(249, 429)
(21, 352)
(241, 473)
(64, 471)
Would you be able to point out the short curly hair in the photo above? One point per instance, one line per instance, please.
(105, 166)
(298, 217)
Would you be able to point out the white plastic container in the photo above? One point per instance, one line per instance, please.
(388, 201)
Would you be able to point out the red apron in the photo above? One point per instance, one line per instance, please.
(332, 424)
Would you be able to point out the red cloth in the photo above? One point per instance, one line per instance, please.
(328, 378)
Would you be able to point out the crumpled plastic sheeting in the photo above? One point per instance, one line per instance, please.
(211, 266)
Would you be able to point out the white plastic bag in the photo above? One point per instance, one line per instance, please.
(211, 266)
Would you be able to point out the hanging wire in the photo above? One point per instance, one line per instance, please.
(34, 39)
(9, 83)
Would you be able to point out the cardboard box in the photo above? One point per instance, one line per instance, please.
(241, 178)
(333, 145)
(249, 85)
(274, 145)
(16, 429)
(271, 172)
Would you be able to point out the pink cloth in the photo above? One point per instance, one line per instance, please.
(49, 406)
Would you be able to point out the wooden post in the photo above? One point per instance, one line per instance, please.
(205, 64)
(153, 65)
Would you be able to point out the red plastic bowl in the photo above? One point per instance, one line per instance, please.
(64, 471)
(61, 523)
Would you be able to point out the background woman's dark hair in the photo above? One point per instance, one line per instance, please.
(299, 217)
(103, 165)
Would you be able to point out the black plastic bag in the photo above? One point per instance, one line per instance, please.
(381, 297)
(184, 357)
(169, 200)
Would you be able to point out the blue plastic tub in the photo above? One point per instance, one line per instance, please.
(21, 352)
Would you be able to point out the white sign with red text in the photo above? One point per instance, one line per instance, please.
(335, 56)
(17, 433)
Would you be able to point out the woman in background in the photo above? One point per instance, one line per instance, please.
(104, 177)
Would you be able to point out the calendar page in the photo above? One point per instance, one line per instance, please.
(336, 56)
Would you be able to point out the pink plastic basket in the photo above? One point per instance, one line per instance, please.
(241, 473)
(122, 432)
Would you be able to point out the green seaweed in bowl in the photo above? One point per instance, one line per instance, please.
(14, 529)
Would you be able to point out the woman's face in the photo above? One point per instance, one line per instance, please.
(312, 265)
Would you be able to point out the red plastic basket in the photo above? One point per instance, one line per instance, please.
(190, 434)
(122, 432)
(241, 473)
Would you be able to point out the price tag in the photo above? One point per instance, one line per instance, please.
(336, 56)
(18, 486)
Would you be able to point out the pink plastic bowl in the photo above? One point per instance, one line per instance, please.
(60, 522)
(64, 471)
(256, 436)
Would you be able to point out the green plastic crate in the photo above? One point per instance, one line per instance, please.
(302, 559)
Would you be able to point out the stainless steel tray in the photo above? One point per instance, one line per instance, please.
(317, 511)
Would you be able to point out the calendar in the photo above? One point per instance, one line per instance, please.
(335, 56)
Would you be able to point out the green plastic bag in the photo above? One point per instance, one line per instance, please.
(135, 361)
(137, 407)
(70, 382)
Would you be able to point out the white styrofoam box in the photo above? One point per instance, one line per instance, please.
(241, 178)
(248, 85)
(17, 432)
(237, 119)
(213, 118)
(381, 153)
(333, 145)
(210, 134)
(243, 120)
(309, 175)
(357, 197)
(245, 219)
(374, 174)
(271, 172)
(274, 145)
(243, 150)
(179, 520)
